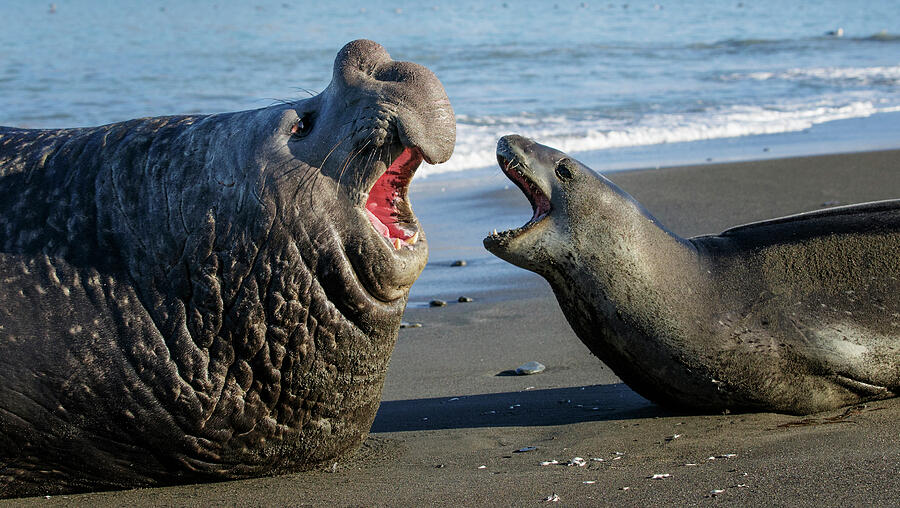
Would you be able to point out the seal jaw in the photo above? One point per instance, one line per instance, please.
(517, 170)
(387, 249)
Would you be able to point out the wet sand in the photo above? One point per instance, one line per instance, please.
(453, 418)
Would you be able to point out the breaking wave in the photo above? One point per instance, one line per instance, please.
(477, 136)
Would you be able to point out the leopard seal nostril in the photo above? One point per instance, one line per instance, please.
(193, 298)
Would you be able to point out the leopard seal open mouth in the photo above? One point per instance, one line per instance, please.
(797, 314)
(193, 298)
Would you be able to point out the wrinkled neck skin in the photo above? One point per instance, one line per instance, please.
(616, 282)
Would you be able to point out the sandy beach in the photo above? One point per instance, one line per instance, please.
(454, 424)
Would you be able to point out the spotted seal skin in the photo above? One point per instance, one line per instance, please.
(796, 315)
(194, 298)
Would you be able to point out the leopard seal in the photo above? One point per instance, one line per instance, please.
(193, 298)
(796, 315)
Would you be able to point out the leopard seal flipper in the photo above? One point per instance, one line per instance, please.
(797, 314)
(208, 297)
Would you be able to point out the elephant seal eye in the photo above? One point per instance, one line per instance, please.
(564, 169)
(302, 127)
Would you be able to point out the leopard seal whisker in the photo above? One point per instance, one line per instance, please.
(797, 314)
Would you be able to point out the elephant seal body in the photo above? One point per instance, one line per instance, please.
(209, 297)
(796, 315)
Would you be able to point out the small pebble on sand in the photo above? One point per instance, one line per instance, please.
(437, 303)
(530, 368)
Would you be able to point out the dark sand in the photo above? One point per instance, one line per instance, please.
(451, 419)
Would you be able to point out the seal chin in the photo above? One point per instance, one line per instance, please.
(517, 170)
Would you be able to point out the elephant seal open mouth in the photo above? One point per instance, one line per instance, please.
(208, 297)
(797, 314)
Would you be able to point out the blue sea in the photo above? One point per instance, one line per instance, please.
(619, 80)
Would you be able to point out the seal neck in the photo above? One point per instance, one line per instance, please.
(631, 291)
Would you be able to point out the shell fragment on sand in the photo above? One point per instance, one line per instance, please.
(577, 461)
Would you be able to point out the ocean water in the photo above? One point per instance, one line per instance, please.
(581, 76)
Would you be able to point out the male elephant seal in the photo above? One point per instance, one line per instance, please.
(797, 314)
(209, 297)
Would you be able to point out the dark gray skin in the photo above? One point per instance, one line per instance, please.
(796, 315)
(195, 298)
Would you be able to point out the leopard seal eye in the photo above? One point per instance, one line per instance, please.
(565, 169)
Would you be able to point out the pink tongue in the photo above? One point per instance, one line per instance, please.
(379, 226)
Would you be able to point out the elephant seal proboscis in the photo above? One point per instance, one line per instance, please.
(194, 298)
(797, 314)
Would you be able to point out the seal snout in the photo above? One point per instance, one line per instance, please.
(424, 118)
(359, 59)
(517, 166)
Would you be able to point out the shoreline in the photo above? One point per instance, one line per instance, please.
(451, 420)
(879, 131)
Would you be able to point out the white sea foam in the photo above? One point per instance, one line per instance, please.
(477, 137)
(883, 75)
